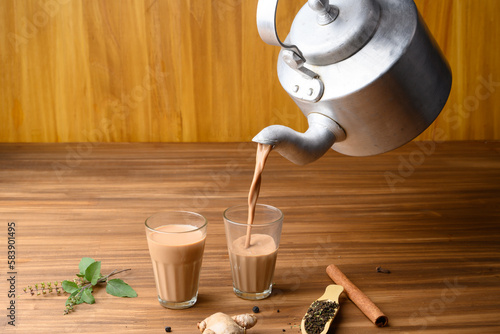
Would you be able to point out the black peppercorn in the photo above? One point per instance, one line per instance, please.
(168, 329)
(255, 309)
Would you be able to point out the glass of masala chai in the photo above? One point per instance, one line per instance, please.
(176, 242)
(253, 248)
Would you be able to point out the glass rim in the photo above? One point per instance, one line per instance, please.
(281, 215)
(152, 229)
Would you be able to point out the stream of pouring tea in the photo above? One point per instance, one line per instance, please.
(260, 160)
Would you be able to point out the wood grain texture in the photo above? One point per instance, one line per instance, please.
(434, 225)
(196, 70)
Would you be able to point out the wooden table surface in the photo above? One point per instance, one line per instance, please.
(428, 212)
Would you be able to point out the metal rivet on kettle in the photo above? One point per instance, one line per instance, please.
(295, 88)
(310, 92)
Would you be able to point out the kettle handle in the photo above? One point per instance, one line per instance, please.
(266, 24)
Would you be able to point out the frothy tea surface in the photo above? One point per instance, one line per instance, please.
(172, 234)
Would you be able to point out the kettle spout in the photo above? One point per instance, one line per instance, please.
(303, 148)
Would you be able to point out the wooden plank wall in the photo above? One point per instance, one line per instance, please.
(196, 70)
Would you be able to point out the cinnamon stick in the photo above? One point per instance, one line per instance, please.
(364, 303)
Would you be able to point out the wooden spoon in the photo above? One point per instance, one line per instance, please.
(332, 293)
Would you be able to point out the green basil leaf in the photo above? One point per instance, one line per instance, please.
(84, 263)
(87, 296)
(69, 286)
(93, 272)
(119, 288)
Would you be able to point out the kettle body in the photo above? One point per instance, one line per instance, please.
(373, 69)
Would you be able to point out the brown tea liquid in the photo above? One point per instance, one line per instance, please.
(176, 253)
(253, 267)
(260, 160)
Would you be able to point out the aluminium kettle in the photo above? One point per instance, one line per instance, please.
(367, 74)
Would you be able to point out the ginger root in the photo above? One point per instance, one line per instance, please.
(220, 323)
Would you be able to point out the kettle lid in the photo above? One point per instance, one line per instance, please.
(329, 31)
